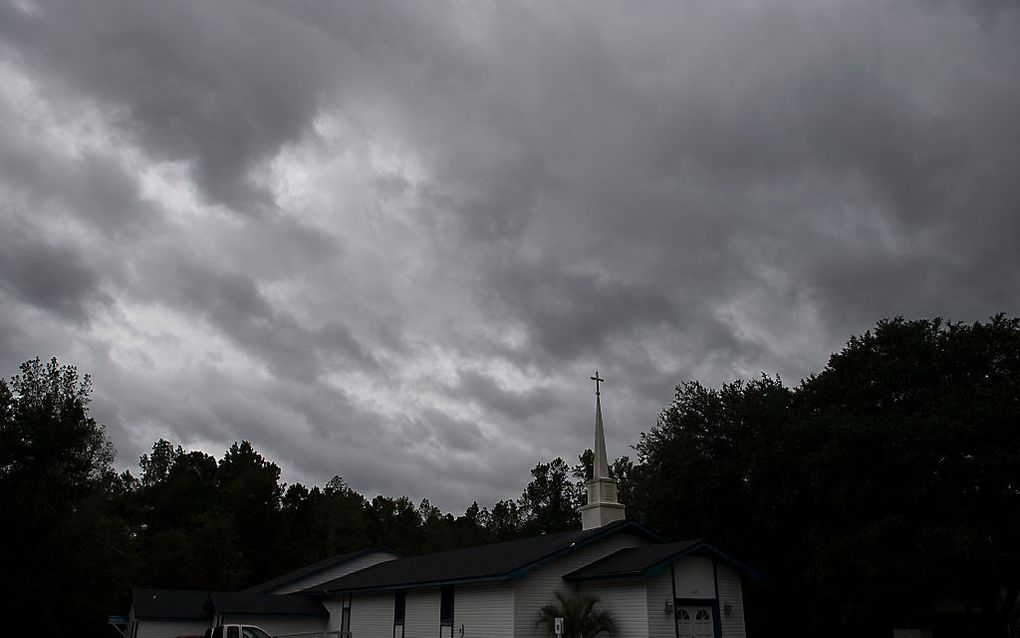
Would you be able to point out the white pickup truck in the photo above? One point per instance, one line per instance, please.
(251, 631)
(236, 631)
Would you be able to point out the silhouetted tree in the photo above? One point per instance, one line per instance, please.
(61, 532)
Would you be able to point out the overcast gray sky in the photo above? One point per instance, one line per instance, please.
(392, 240)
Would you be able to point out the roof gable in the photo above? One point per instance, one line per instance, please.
(322, 565)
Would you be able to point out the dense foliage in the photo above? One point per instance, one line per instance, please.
(582, 617)
(883, 486)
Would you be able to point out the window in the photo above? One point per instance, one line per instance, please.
(233, 632)
(446, 607)
(399, 607)
(253, 632)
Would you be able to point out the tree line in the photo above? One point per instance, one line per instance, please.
(883, 486)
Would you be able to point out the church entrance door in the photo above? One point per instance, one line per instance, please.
(694, 621)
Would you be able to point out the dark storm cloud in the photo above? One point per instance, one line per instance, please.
(220, 85)
(391, 240)
(570, 313)
(516, 405)
(53, 277)
(232, 302)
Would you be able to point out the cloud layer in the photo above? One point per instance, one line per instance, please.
(392, 240)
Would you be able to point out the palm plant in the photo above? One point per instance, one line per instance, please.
(581, 617)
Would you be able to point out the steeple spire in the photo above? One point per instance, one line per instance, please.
(602, 507)
(600, 466)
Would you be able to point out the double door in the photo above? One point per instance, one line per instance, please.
(695, 621)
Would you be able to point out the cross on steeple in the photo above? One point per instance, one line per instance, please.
(597, 381)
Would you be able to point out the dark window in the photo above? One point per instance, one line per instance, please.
(446, 606)
(345, 616)
(233, 632)
(399, 606)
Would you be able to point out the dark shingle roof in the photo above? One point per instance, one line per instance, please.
(265, 604)
(499, 561)
(640, 561)
(308, 570)
(168, 603)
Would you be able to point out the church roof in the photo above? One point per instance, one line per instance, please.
(498, 561)
(648, 559)
(308, 570)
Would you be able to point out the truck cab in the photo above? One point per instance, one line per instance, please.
(236, 631)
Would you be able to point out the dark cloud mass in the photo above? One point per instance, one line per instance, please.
(391, 240)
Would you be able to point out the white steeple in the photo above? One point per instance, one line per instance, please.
(602, 507)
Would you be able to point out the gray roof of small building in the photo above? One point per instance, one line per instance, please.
(645, 560)
(265, 604)
(193, 604)
(498, 561)
(308, 570)
(169, 603)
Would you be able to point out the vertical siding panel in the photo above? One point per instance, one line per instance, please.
(538, 587)
(486, 611)
(626, 600)
(660, 591)
(371, 615)
(336, 571)
(421, 617)
(731, 592)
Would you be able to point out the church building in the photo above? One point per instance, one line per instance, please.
(652, 587)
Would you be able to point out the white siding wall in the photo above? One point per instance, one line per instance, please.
(538, 587)
(421, 613)
(336, 571)
(371, 614)
(486, 611)
(627, 600)
(695, 577)
(276, 625)
(731, 592)
(170, 628)
(660, 591)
